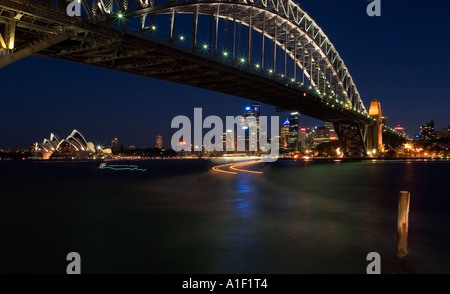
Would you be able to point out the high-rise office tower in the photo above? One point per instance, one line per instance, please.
(159, 142)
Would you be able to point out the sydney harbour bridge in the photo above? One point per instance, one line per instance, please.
(269, 51)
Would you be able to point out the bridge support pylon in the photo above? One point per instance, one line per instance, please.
(352, 138)
(375, 130)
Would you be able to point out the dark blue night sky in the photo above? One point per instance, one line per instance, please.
(401, 58)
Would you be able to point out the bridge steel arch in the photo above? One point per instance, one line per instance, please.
(289, 62)
(288, 26)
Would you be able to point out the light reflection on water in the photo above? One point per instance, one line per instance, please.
(296, 217)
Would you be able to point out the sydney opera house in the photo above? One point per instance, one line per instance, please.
(74, 146)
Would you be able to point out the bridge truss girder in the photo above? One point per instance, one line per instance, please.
(299, 39)
(293, 33)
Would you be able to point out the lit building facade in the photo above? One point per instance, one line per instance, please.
(320, 135)
(317, 135)
(401, 130)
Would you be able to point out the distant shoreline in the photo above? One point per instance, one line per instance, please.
(220, 158)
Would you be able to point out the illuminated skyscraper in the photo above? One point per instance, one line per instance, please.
(254, 109)
(284, 135)
(229, 141)
(159, 142)
(302, 136)
(293, 141)
(252, 129)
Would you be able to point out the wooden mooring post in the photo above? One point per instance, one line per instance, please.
(402, 223)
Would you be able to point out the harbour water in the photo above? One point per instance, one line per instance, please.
(181, 217)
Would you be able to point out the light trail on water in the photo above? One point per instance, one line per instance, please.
(236, 167)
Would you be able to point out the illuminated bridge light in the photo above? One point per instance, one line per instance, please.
(120, 15)
(153, 28)
(225, 54)
(181, 38)
(242, 60)
(270, 70)
(257, 65)
(205, 46)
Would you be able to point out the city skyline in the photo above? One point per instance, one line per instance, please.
(161, 141)
(60, 95)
